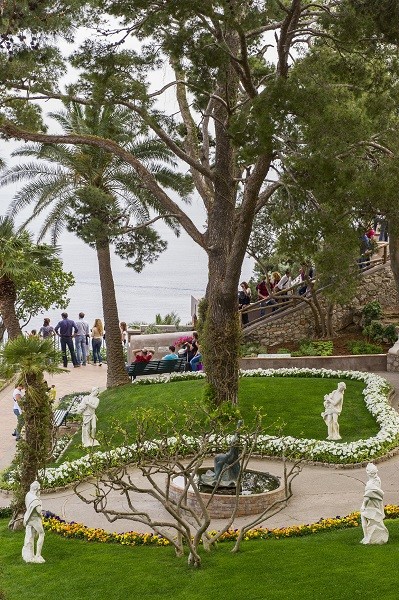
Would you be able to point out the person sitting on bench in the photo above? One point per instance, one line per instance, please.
(142, 355)
(172, 354)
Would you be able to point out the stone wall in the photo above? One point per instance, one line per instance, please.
(365, 362)
(158, 343)
(298, 323)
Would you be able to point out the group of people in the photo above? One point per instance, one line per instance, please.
(190, 350)
(75, 336)
(367, 242)
(268, 287)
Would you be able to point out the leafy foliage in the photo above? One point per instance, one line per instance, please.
(372, 311)
(31, 274)
(361, 347)
(27, 359)
(314, 348)
(379, 332)
(171, 318)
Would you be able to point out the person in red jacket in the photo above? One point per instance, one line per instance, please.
(142, 355)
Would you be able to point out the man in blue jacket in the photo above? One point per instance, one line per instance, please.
(66, 330)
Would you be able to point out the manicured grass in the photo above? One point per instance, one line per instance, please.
(328, 566)
(296, 402)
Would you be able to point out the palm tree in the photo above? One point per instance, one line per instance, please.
(26, 359)
(101, 199)
(21, 261)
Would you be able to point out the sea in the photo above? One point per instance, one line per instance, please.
(165, 286)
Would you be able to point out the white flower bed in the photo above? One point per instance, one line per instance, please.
(375, 396)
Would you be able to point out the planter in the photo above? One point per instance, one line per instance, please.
(360, 362)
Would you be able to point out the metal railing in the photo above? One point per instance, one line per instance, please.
(286, 298)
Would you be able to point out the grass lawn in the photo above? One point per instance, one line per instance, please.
(297, 402)
(328, 566)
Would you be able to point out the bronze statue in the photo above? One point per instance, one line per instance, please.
(226, 465)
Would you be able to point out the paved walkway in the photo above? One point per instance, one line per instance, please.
(74, 380)
(318, 491)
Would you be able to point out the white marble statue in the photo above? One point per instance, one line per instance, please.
(88, 407)
(332, 409)
(372, 510)
(34, 526)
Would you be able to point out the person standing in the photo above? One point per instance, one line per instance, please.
(284, 285)
(123, 329)
(17, 397)
(66, 329)
(46, 330)
(80, 339)
(244, 299)
(97, 333)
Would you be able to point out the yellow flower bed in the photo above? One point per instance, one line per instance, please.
(133, 538)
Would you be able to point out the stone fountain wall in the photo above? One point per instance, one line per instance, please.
(222, 507)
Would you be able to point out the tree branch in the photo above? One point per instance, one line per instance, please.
(147, 178)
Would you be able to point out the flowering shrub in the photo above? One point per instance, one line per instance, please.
(375, 397)
(183, 340)
(76, 530)
(132, 538)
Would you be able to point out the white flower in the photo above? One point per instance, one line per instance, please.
(375, 398)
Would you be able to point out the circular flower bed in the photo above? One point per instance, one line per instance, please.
(375, 393)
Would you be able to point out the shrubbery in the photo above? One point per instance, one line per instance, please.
(360, 347)
(314, 348)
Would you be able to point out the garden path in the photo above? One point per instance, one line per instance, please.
(319, 492)
(68, 382)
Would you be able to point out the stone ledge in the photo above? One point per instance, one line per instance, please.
(350, 362)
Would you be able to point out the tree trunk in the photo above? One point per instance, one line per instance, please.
(221, 334)
(34, 446)
(116, 373)
(8, 297)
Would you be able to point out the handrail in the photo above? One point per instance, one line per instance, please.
(296, 299)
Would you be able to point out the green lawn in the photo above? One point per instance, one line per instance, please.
(297, 402)
(328, 566)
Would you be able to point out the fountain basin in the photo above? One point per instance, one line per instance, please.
(222, 505)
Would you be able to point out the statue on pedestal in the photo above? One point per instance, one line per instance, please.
(372, 510)
(88, 407)
(332, 409)
(34, 526)
(226, 465)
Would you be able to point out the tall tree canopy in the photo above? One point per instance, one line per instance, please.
(31, 277)
(231, 112)
(98, 196)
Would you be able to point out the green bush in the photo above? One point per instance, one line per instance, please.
(361, 347)
(378, 332)
(390, 334)
(314, 348)
(372, 312)
(252, 348)
(283, 351)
